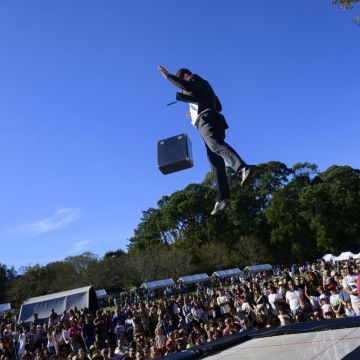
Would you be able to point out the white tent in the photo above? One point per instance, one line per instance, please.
(65, 300)
(356, 256)
(158, 284)
(345, 256)
(5, 307)
(226, 273)
(194, 278)
(260, 267)
(101, 293)
(329, 257)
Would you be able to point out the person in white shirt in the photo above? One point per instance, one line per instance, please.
(350, 287)
(65, 333)
(274, 299)
(23, 340)
(294, 297)
(325, 305)
(284, 317)
(223, 302)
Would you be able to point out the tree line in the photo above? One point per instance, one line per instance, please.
(286, 215)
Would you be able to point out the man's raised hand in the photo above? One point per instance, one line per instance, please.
(163, 71)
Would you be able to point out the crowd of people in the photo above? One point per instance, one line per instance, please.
(150, 328)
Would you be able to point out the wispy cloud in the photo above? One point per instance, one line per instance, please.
(79, 246)
(61, 219)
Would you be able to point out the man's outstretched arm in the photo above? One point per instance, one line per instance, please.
(192, 85)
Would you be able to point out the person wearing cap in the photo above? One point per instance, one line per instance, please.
(205, 115)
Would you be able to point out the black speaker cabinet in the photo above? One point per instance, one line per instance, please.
(174, 154)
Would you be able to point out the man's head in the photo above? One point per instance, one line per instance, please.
(358, 264)
(183, 73)
(228, 322)
(346, 269)
(292, 286)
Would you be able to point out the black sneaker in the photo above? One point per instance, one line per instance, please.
(220, 206)
(247, 173)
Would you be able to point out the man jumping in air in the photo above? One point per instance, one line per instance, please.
(205, 115)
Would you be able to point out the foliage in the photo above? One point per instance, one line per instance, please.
(348, 5)
(286, 215)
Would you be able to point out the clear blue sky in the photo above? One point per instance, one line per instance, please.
(82, 106)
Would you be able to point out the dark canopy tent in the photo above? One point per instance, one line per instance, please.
(228, 272)
(101, 293)
(5, 307)
(157, 284)
(261, 267)
(194, 278)
(65, 300)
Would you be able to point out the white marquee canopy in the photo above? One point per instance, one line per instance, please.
(345, 256)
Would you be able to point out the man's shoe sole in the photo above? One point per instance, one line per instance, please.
(249, 177)
(221, 208)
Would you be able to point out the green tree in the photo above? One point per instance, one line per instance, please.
(348, 5)
(5, 275)
(291, 236)
(332, 209)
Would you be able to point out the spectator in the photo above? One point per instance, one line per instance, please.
(274, 299)
(223, 302)
(294, 297)
(53, 317)
(335, 302)
(230, 327)
(350, 287)
(100, 326)
(122, 347)
(58, 338)
(50, 340)
(36, 321)
(174, 323)
(74, 334)
(23, 341)
(325, 305)
(311, 290)
(349, 311)
(197, 312)
(358, 276)
(88, 332)
(284, 317)
(160, 340)
(36, 337)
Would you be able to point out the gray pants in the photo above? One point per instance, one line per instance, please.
(212, 126)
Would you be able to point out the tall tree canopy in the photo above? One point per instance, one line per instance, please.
(286, 215)
(348, 5)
